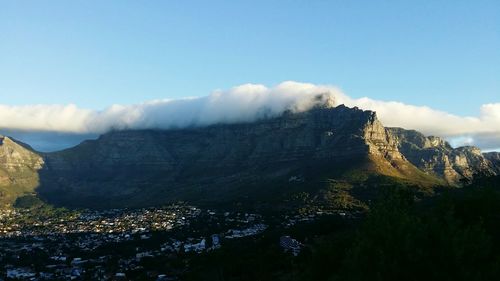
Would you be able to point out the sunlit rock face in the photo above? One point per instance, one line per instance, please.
(19, 166)
(435, 156)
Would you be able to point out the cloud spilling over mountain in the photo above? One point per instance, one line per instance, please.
(248, 103)
(482, 131)
(244, 103)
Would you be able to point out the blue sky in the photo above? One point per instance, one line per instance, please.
(443, 54)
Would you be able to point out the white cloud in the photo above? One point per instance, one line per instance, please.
(247, 103)
(482, 131)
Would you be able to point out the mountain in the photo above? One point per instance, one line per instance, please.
(435, 156)
(222, 162)
(19, 166)
(259, 160)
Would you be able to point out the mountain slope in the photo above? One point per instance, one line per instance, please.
(436, 157)
(19, 166)
(223, 161)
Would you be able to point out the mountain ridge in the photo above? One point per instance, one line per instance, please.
(140, 167)
(435, 156)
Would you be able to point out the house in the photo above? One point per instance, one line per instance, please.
(215, 241)
(20, 273)
(290, 245)
(120, 276)
(196, 247)
(77, 272)
(141, 255)
(78, 261)
(58, 258)
(163, 277)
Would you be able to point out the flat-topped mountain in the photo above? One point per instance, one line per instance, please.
(222, 161)
(226, 161)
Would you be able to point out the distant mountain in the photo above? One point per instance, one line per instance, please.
(228, 161)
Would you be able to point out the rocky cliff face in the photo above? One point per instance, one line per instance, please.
(494, 158)
(435, 156)
(147, 167)
(216, 161)
(19, 166)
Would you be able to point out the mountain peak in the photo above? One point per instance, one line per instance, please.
(325, 100)
(19, 167)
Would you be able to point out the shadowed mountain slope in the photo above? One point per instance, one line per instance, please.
(494, 158)
(228, 161)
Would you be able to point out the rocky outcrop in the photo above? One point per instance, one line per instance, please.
(494, 158)
(19, 166)
(435, 156)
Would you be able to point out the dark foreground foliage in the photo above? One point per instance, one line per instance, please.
(455, 236)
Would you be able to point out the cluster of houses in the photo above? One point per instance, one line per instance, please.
(109, 221)
(78, 269)
(291, 220)
(62, 266)
(89, 231)
(249, 231)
